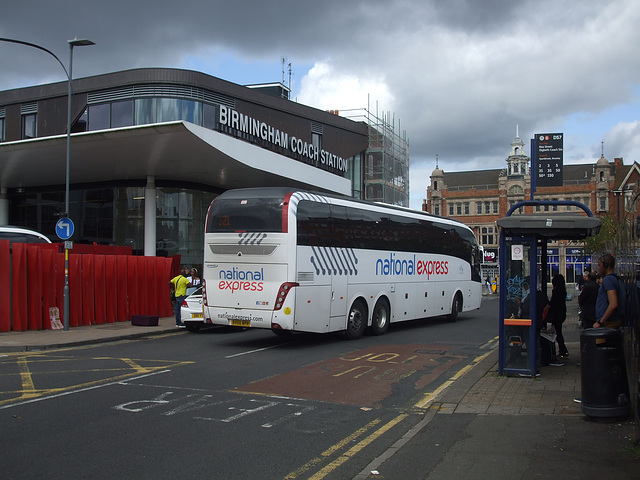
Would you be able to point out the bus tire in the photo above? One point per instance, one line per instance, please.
(356, 320)
(381, 317)
(456, 307)
(282, 333)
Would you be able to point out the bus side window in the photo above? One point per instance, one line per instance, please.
(303, 226)
(314, 224)
(339, 226)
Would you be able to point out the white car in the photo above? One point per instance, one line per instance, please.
(192, 312)
(21, 235)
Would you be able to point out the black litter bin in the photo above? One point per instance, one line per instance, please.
(604, 384)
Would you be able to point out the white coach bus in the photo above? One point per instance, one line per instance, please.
(290, 260)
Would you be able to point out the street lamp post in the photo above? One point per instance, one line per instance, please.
(72, 43)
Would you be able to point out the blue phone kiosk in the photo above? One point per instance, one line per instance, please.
(523, 239)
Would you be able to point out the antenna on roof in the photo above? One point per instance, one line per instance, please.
(436, 160)
(602, 147)
(283, 60)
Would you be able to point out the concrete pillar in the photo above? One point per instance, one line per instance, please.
(150, 218)
(4, 207)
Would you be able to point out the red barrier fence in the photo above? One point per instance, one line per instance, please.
(106, 285)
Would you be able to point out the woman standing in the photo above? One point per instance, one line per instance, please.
(195, 278)
(558, 312)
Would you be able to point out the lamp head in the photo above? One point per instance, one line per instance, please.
(82, 42)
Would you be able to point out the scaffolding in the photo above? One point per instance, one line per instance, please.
(386, 163)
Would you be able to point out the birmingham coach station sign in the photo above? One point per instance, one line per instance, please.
(257, 131)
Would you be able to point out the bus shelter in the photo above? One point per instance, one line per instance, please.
(523, 272)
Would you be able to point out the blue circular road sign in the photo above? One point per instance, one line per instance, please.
(64, 228)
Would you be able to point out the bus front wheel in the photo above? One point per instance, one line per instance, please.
(456, 307)
(356, 320)
(381, 317)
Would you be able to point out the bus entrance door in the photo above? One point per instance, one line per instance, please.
(338, 300)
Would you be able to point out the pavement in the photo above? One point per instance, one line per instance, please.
(484, 425)
(31, 340)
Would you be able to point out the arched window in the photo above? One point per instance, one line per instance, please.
(516, 190)
(435, 185)
(602, 176)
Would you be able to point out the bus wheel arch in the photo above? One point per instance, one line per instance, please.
(357, 319)
(456, 307)
(381, 316)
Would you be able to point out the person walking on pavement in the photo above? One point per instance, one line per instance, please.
(558, 312)
(179, 284)
(587, 301)
(487, 285)
(607, 301)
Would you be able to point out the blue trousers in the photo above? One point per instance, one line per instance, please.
(178, 308)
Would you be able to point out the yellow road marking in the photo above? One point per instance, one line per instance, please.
(429, 397)
(30, 391)
(331, 450)
(357, 448)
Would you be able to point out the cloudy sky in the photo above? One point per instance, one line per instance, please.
(456, 75)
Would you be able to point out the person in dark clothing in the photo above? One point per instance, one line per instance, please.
(607, 303)
(558, 312)
(587, 301)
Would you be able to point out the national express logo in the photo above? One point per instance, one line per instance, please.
(236, 280)
(395, 266)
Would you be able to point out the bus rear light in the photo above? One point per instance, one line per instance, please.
(283, 291)
(204, 292)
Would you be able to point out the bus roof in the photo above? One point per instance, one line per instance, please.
(281, 192)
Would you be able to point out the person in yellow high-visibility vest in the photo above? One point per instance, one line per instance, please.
(179, 285)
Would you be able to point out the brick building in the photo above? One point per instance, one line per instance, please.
(480, 198)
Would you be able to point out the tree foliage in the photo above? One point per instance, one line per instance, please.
(607, 238)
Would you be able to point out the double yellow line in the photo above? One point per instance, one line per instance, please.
(349, 453)
(424, 403)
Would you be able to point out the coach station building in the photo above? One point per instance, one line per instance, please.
(151, 148)
(480, 198)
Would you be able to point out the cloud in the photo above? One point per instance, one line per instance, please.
(325, 88)
(624, 137)
(458, 76)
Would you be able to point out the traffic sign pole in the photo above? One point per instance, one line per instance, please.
(66, 289)
(64, 230)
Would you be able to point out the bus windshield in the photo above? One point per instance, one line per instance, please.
(245, 214)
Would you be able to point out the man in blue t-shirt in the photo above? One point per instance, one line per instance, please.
(607, 300)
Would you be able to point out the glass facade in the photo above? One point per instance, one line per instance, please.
(110, 214)
(144, 111)
(115, 216)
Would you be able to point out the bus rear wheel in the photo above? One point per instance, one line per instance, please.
(456, 307)
(381, 317)
(356, 320)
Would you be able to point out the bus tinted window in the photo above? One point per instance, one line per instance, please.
(245, 215)
(338, 226)
(314, 225)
